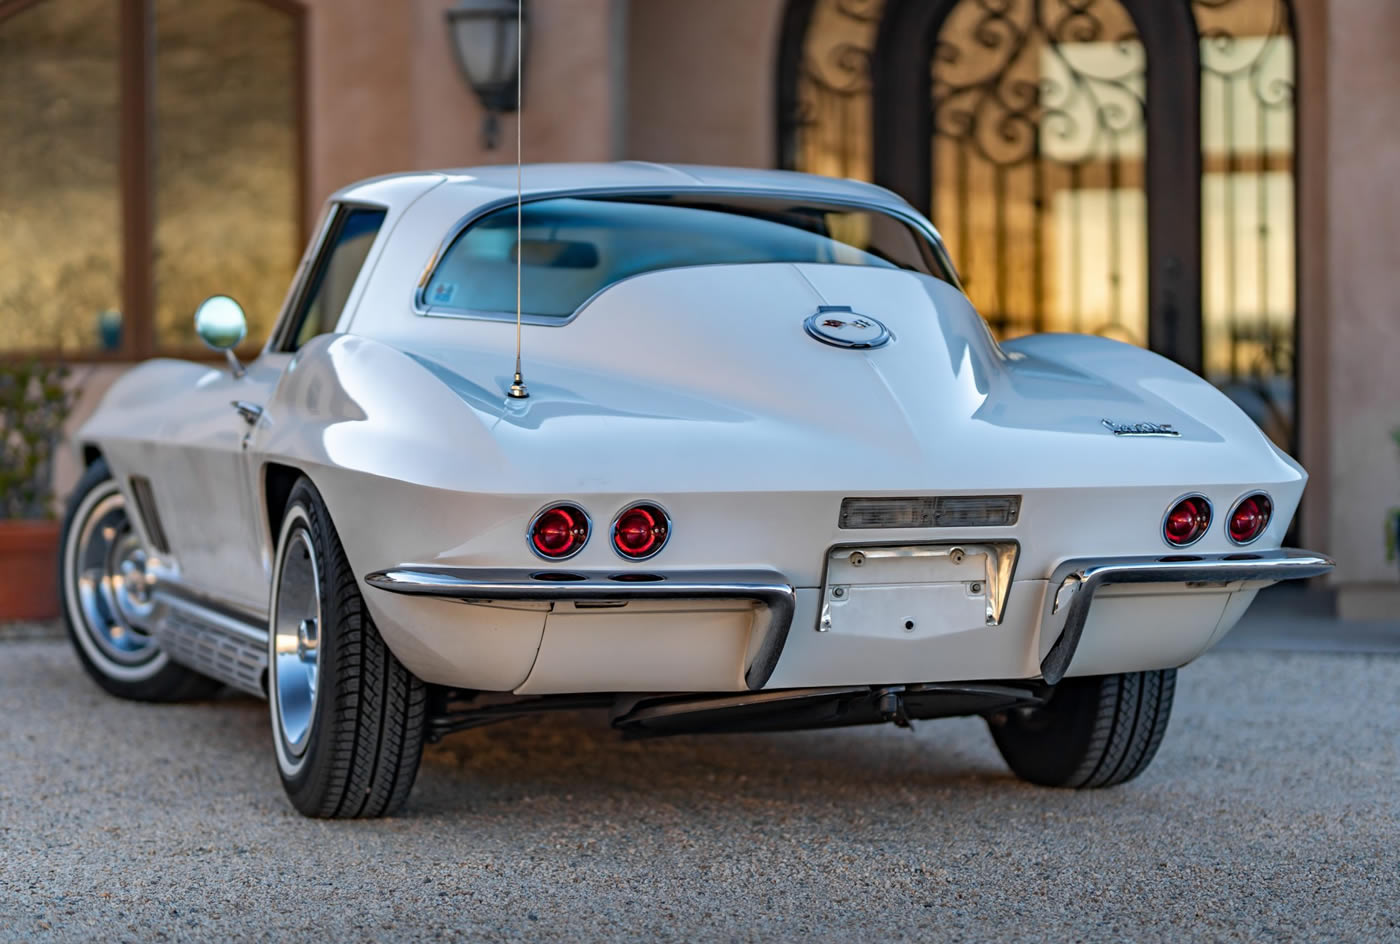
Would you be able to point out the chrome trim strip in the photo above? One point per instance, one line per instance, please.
(482, 584)
(216, 616)
(1074, 583)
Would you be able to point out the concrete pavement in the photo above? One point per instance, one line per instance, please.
(1271, 813)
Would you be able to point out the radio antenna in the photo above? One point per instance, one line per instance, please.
(518, 390)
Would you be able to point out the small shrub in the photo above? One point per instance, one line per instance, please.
(35, 402)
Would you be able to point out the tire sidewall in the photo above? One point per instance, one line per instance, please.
(302, 775)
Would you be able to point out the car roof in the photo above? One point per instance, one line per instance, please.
(489, 183)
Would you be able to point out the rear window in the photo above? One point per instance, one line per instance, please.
(573, 247)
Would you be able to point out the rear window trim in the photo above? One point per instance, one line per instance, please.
(423, 309)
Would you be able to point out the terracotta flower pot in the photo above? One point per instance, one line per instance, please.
(28, 570)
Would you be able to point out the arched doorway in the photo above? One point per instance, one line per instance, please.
(1122, 167)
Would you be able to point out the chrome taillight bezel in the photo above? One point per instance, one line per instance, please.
(573, 508)
(1201, 533)
(1268, 516)
(665, 517)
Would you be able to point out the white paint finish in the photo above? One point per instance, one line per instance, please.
(696, 388)
(657, 647)
(478, 646)
(1131, 631)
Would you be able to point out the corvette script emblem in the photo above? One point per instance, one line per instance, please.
(840, 326)
(1140, 429)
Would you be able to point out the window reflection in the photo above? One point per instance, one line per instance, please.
(60, 206)
(227, 202)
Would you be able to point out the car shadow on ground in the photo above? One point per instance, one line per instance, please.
(578, 758)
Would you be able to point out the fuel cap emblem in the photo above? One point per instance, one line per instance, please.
(840, 326)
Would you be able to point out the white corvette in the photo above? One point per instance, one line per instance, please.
(766, 469)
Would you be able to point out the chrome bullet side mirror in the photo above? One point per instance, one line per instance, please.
(221, 324)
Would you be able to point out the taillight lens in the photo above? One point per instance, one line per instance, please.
(559, 531)
(1187, 521)
(1250, 518)
(641, 531)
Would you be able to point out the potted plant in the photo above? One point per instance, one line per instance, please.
(35, 401)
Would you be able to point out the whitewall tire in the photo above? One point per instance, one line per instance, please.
(107, 601)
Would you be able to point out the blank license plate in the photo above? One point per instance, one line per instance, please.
(913, 590)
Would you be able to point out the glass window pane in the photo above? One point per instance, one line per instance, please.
(1249, 295)
(336, 270)
(572, 248)
(60, 201)
(1038, 149)
(227, 194)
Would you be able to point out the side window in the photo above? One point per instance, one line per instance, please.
(335, 270)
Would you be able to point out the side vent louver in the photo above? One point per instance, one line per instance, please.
(146, 508)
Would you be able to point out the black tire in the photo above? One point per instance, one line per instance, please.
(358, 753)
(1093, 732)
(111, 637)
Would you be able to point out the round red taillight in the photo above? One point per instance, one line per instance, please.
(559, 531)
(1250, 517)
(641, 531)
(1187, 521)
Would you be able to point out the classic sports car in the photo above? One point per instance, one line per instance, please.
(766, 469)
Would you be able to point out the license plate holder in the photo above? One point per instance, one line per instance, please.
(915, 590)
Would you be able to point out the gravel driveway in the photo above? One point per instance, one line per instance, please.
(1272, 813)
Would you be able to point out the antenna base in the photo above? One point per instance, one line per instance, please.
(517, 389)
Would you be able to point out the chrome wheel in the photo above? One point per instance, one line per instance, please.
(295, 641)
(108, 588)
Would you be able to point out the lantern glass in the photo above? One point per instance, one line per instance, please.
(485, 36)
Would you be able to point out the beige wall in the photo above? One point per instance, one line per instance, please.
(700, 81)
(385, 93)
(1363, 295)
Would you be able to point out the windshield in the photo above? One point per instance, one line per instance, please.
(573, 247)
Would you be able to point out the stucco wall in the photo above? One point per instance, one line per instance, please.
(1363, 312)
(385, 93)
(701, 81)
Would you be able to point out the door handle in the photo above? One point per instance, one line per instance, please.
(250, 412)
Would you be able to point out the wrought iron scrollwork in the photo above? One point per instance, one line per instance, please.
(1032, 99)
(1010, 102)
(1248, 100)
(831, 121)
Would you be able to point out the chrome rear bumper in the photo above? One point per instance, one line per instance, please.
(1074, 583)
(1069, 599)
(481, 584)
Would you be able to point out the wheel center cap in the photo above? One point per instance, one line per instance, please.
(307, 640)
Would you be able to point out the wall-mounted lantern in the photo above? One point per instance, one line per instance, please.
(485, 36)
